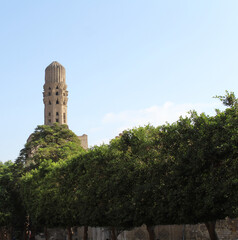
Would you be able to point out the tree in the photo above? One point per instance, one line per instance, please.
(47, 149)
(12, 213)
(116, 187)
(50, 142)
(179, 173)
(202, 166)
(48, 196)
(140, 146)
(102, 183)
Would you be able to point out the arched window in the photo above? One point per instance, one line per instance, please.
(57, 113)
(49, 93)
(64, 116)
(49, 88)
(49, 102)
(49, 114)
(57, 87)
(57, 101)
(57, 93)
(57, 120)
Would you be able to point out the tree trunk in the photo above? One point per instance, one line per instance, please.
(211, 230)
(69, 233)
(33, 234)
(113, 233)
(26, 230)
(24, 234)
(85, 233)
(9, 233)
(46, 233)
(151, 232)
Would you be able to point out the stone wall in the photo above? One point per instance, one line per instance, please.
(226, 230)
(84, 141)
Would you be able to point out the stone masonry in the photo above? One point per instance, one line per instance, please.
(55, 98)
(55, 94)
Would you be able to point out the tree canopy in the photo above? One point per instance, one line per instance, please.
(180, 173)
(12, 211)
(54, 142)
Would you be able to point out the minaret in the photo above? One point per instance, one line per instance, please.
(55, 94)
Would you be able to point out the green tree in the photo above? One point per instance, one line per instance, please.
(102, 182)
(116, 182)
(185, 172)
(54, 142)
(140, 146)
(97, 186)
(45, 153)
(12, 213)
(201, 152)
(49, 196)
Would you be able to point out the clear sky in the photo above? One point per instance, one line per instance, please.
(128, 62)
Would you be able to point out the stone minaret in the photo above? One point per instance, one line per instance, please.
(55, 94)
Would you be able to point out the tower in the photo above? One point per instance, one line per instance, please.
(55, 95)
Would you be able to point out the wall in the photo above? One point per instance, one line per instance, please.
(226, 229)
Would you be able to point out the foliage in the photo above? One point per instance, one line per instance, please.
(47, 194)
(140, 147)
(179, 173)
(50, 142)
(202, 166)
(106, 184)
(229, 99)
(12, 212)
(45, 186)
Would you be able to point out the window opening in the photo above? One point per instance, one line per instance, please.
(57, 120)
(57, 101)
(49, 120)
(57, 93)
(49, 102)
(57, 113)
(49, 114)
(57, 87)
(49, 93)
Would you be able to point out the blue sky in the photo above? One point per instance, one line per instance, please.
(128, 62)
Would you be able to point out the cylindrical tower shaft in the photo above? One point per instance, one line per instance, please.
(55, 95)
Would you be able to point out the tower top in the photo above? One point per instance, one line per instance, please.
(55, 73)
(54, 64)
